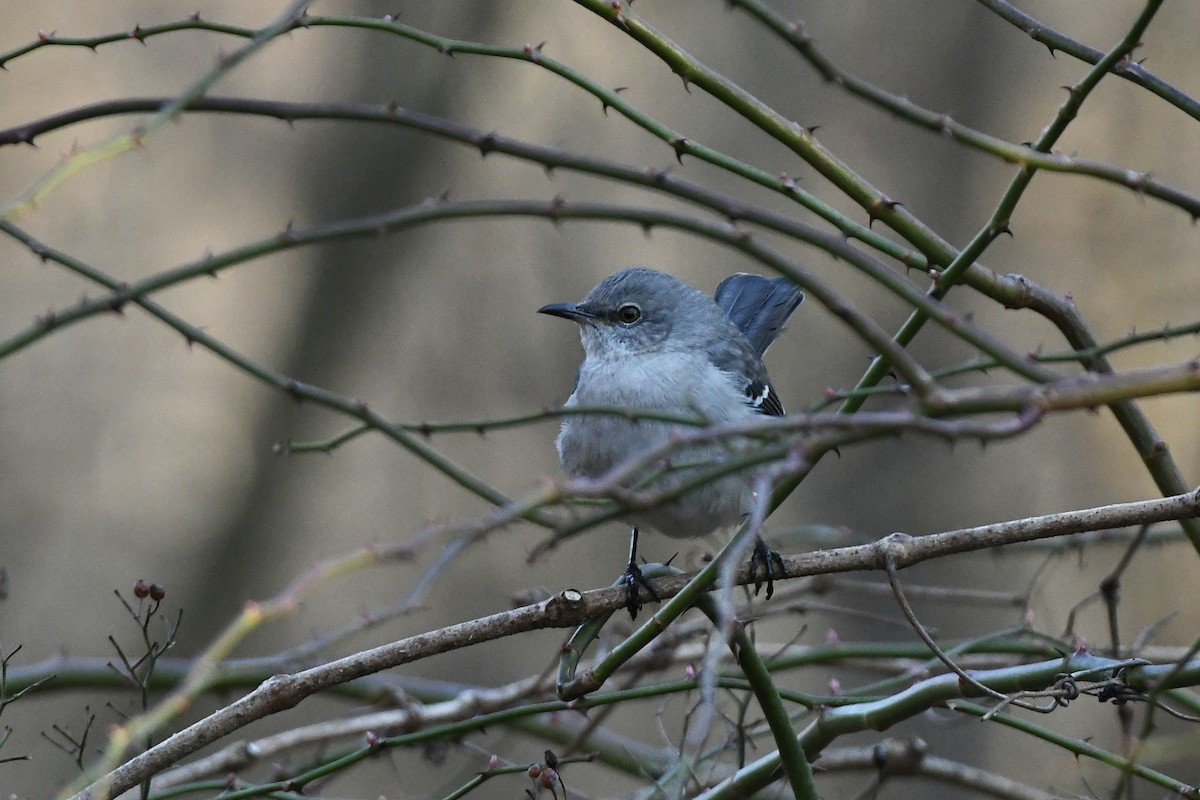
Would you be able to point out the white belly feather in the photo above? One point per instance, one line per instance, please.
(590, 446)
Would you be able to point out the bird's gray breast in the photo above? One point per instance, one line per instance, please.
(669, 383)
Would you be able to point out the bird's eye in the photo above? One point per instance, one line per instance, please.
(629, 314)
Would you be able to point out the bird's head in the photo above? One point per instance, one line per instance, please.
(637, 310)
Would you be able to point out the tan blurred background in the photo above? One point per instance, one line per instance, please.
(124, 454)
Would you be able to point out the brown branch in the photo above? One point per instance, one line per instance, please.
(465, 705)
(570, 608)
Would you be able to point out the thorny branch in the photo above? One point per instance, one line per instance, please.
(572, 608)
(791, 445)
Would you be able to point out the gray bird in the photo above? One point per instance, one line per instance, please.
(652, 343)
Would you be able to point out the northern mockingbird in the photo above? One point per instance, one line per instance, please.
(652, 343)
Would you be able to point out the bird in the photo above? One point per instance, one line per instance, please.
(656, 345)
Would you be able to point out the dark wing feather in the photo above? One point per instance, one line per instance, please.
(758, 306)
(762, 398)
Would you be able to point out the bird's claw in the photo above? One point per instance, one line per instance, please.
(767, 560)
(635, 580)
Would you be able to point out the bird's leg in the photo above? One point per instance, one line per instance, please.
(634, 579)
(767, 560)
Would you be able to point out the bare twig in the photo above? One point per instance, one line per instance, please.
(571, 608)
(910, 758)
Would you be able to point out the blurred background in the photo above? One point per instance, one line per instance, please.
(126, 454)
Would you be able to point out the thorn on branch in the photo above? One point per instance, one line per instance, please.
(486, 143)
(211, 271)
(1137, 180)
(604, 104)
(878, 208)
(555, 209)
(533, 52)
(680, 145)
(615, 7)
(119, 298)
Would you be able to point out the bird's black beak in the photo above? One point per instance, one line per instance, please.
(571, 311)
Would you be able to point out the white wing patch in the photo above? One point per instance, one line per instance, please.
(762, 399)
(758, 400)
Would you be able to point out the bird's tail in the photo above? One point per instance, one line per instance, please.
(758, 306)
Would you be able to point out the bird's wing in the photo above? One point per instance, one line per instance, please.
(736, 356)
(758, 306)
(762, 398)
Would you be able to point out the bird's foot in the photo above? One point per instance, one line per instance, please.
(634, 581)
(770, 563)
